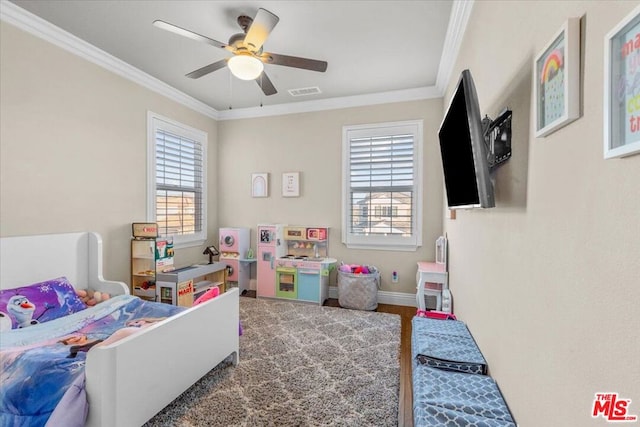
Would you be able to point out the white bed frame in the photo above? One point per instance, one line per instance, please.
(131, 380)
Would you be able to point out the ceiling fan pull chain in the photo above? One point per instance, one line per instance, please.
(261, 92)
(230, 91)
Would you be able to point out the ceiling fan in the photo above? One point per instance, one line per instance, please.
(247, 62)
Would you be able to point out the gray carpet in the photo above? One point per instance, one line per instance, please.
(300, 365)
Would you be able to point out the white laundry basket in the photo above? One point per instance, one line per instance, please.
(359, 291)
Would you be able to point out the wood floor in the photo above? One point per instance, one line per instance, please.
(405, 409)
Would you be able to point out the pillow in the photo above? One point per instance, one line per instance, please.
(38, 303)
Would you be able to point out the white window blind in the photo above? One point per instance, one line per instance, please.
(381, 185)
(177, 181)
(178, 184)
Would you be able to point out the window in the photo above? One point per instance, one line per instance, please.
(177, 180)
(382, 186)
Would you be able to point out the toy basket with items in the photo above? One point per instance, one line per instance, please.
(358, 286)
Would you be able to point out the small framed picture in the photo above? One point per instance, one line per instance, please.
(291, 184)
(622, 88)
(259, 185)
(557, 80)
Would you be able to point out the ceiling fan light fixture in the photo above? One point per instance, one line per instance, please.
(245, 66)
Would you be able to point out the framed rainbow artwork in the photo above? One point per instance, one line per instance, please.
(622, 88)
(557, 80)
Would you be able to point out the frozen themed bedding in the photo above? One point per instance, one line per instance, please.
(113, 371)
(46, 334)
(37, 303)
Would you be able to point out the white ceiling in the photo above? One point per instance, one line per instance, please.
(376, 50)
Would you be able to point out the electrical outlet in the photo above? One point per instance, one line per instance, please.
(394, 277)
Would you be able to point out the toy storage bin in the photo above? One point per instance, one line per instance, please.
(359, 291)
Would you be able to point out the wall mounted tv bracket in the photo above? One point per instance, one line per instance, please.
(497, 138)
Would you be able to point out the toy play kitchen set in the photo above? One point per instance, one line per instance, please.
(271, 246)
(236, 253)
(303, 272)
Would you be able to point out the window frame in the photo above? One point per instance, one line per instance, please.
(392, 243)
(157, 122)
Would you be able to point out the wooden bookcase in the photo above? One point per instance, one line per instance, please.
(149, 256)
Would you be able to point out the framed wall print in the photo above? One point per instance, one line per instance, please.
(622, 88)
(291, 184)
(259, 185)
(557, 80)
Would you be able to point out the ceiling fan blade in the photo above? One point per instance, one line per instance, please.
(207, 69)
(265, 84)
(190, 34)
(294, 61)
(260, 29)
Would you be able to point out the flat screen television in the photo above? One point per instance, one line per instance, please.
(464, 153)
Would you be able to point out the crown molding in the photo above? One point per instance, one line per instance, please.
(38, 27)
(331, 103)
(458, 20)
(26, 21)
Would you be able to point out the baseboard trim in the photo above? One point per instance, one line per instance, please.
(385, 297)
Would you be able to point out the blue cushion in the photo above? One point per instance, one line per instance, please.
(445, 344)
(447, 398)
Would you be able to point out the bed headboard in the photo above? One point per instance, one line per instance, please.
(78, 256)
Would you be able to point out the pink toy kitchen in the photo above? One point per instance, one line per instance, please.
(294, 263)
(234, 246)
(271, 246)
